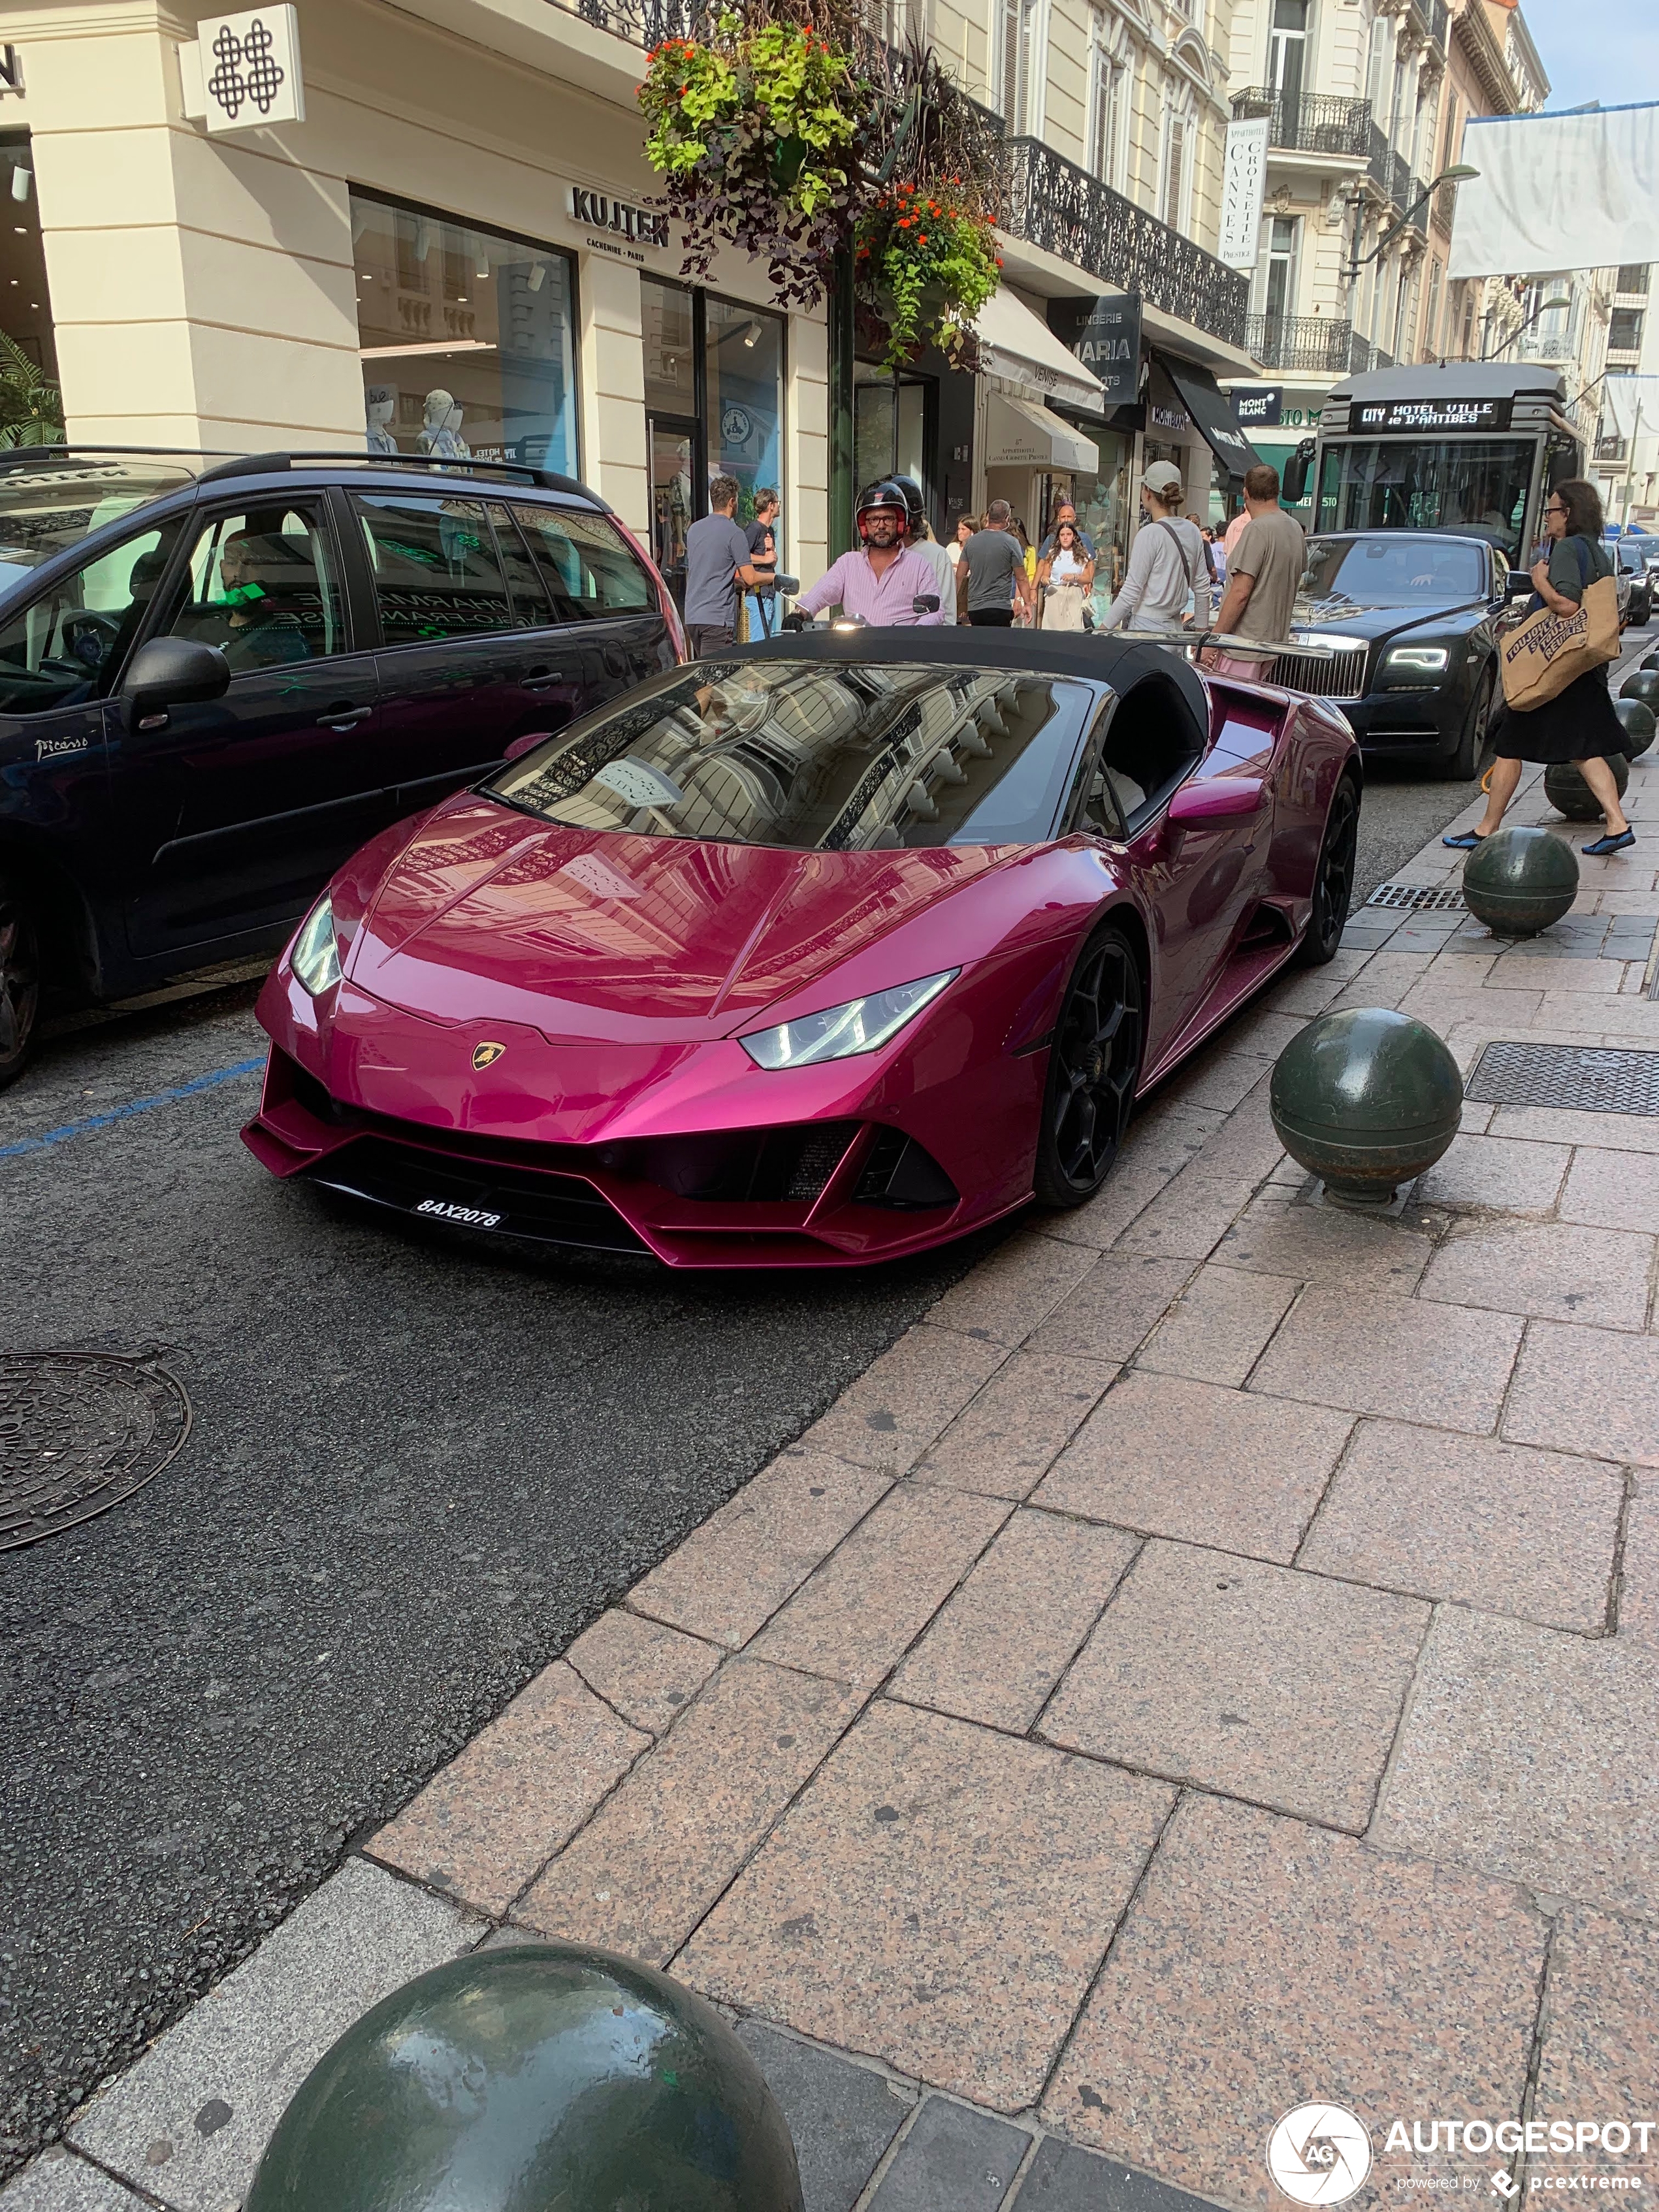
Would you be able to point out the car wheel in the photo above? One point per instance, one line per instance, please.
(20, 982)
(1463, 763)
(1094, 1064)
(1332, 879)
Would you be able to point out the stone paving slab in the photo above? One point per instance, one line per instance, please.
(1007, 1295)
(1638, 1593)
(1009, 1434)
(1280, 1687)
(1555, 1270)
(1613, 1190)
(998, 1648)
(1492, 1525)
(953, 2160)
(1178, 1458)
(842, 2116)
(1587, 1389)
(1447, 1366)
(1278, 1234)
(58, 2181)
(1601, 2026)
(1496, 1174)
(890, 1416)
(191, 2118)
(642, 1874)
(490, 1821)
(647, 1672)
(1529, 1754)
(1264, 1962)
(1219, 1326)
(1115, 1305)
(883, 1914)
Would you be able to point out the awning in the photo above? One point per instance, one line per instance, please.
(1015, 345)
(1020, 435)
(1211, 409)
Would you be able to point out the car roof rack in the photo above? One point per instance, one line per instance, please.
(16, 457)
(248, 465)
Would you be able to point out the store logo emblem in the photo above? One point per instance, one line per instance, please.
(1319, 2154)
(264, 76)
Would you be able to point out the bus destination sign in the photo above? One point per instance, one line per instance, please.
(1429, 415)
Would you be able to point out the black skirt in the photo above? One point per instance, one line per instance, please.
(1577, 724)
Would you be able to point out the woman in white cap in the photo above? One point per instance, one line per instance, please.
(1166, 562)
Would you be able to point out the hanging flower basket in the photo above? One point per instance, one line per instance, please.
(926, 265)
(759, 134)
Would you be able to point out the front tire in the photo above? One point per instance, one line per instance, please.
(1333, 887)
(19, 982)
(1094, 1066)
(1464, 763)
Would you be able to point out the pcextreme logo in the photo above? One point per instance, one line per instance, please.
(1322, 2154)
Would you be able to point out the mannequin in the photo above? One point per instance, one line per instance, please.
(380, 401)
(441, 435)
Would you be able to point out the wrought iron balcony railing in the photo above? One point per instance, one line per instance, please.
(642, 22)
(1053, 204)
(1315, 123)
(1314, 342)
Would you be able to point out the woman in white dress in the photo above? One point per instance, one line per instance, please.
(1065, 580)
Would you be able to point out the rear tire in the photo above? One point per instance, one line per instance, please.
(1333, 887)
(19, 982)
(1094, 1066)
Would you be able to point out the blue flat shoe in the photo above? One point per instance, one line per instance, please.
(1465, 843)
(1603, 846)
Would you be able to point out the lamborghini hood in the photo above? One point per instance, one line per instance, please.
(486, 914)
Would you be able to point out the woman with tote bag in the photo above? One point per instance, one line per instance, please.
(1577, 723)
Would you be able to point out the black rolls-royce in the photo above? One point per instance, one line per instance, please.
(1412, 617)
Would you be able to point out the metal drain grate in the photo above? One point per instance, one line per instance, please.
(80, 1432)
(1419, 898)
(1585, 1080)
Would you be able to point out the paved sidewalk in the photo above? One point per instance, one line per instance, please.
(1212, 1662)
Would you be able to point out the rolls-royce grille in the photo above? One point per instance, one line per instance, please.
(1342, 676)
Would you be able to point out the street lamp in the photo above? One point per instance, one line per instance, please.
(1461, 173)
(1544, 307)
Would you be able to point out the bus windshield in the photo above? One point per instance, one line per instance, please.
(1477, 486)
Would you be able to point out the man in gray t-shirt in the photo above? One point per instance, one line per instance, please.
(717, 561)
(991, 573)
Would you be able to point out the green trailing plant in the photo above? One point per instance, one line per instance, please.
(31, 403)
(926, 265)
(761, 132)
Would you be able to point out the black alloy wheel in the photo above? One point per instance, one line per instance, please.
(1094, 1064)
(1463, 761)
(1333, 886)
(20, 982)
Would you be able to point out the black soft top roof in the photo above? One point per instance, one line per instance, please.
(1119, 663)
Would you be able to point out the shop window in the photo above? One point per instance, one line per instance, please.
(744, 403)
(467, 340)
(25, 303)
(671, 345)
(265, 587)
(437, 573)
(890, 425)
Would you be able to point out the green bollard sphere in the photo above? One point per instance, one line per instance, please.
(545, 2077)
(1367, 1099)
(1638, 724)
(1644, 685)
(1568, 795)
(1652, 659)
(1519, 881)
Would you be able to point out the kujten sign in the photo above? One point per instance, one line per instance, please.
(618, 219)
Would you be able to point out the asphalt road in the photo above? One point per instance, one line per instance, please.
(417, 1469)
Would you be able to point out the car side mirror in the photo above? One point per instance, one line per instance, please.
(925, 603)
(172, 672)
(1517, 585)
(1295, 480)
(787, 585)
(1216, 799)
(524, 744)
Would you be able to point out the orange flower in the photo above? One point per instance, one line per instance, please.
(922, 240)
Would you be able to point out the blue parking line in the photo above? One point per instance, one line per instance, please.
(90, 1121)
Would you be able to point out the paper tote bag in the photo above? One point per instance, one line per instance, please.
(1549, 650)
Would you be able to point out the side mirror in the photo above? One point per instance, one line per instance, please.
(172, 672)
(1517, 585)
(1294, 483)
(524, 744)
(787, 585)
(925, 603)
(1216, 800)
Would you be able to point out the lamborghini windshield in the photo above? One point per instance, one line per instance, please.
(818, 757)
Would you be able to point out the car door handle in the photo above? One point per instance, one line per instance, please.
(537, 679)
(342, 715)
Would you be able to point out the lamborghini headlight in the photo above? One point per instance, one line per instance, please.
(840, 1032)
(316, 956)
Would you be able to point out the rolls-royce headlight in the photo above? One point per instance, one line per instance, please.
(1415, 664)
(840, 1032)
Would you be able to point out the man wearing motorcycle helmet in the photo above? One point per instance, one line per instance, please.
(881, 582)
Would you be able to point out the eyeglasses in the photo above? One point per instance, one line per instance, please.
(1555, 508)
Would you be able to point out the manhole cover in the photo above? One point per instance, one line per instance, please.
(1418, 898)
(79, 1431)
(1590, 1079)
